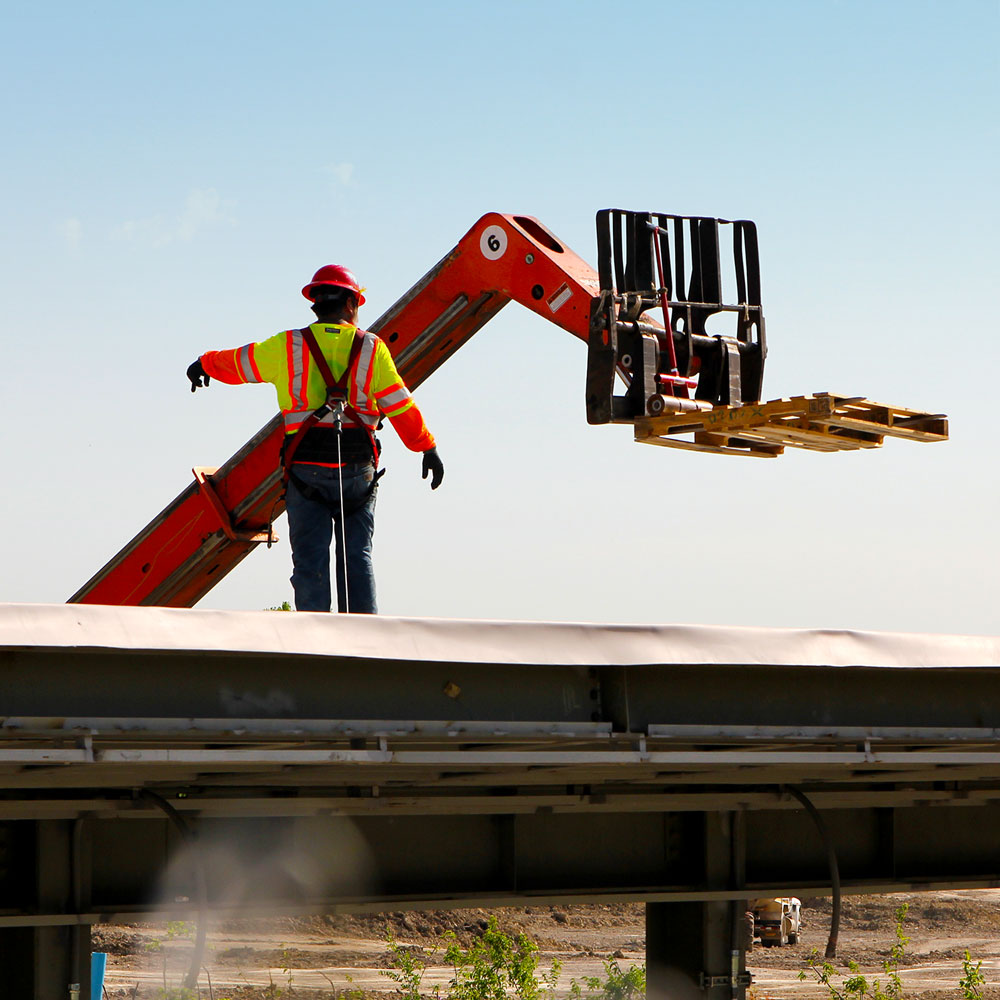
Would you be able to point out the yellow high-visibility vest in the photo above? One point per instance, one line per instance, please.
(374, 388)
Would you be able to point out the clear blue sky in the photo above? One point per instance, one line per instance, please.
(172, 174)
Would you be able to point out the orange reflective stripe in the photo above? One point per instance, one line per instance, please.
(247, 366)
(394, 399)
(223, 365)
(363, 373)
(395, 387)
(306, 361)
(297, 365)
(289, 369)
(371, 344)
(253, 365)
(353, 388)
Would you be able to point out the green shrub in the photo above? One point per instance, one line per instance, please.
(969, 983)
(856, 986)
(628, 985)
(497, 966)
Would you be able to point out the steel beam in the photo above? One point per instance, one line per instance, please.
(337, 862)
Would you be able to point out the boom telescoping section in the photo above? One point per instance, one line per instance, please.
(689, 388)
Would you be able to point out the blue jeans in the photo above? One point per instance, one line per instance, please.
(312, 524)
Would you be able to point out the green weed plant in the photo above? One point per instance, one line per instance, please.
(970, 984)
(856, 986)
(498, 966)
(629, 984)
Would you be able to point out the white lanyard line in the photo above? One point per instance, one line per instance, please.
(338, 419)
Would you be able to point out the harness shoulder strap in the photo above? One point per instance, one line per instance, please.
(333, 386)
(321, 363)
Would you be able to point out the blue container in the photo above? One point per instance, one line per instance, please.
(98, 963)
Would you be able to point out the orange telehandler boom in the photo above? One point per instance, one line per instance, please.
(657, 273)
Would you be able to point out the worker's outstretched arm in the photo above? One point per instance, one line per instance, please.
(235, 365)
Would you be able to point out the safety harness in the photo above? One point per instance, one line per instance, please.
(338, 404)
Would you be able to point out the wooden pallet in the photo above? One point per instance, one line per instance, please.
(821, 422)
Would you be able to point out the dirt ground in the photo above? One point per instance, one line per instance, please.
(343, 956)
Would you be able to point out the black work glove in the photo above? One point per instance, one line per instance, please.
(196, 373)
(433, 465)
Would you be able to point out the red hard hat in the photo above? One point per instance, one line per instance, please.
(338, 276)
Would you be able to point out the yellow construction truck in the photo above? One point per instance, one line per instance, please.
(776, 921)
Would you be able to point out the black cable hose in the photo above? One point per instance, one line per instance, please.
(831, 854)
(201, 883)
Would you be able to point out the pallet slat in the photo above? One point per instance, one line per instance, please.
(821, 422)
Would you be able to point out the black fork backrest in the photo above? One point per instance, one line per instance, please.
(690, 254)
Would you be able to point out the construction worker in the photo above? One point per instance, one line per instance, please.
(334, 384)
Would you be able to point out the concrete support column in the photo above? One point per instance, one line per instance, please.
(697, 951)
